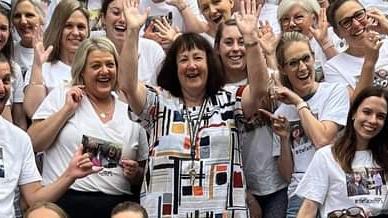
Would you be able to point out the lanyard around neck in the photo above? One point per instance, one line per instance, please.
(193, 129)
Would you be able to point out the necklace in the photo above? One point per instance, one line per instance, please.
(193, 131)
(102, 114)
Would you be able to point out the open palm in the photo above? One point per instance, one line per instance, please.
(247, 19)
(135, 19)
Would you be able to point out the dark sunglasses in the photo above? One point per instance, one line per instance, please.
(350, 212)
(347, 22)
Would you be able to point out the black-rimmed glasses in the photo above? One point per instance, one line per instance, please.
(357, 212)
(347, 22)
(294, 63)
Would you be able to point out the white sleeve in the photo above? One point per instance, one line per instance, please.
(337, 107)
(29, 172)
(142, 153)
(17, 84)
(332, 75)
(315, 182)
(51, 104)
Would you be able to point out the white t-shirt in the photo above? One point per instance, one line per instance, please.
(54, 75)
(24, 57)
(17, 164)
(346, 69)
(163, 9)
(151, 56)
(326, 183)
(330, 103)
(17, 85)
(380, 4)
(127, 135)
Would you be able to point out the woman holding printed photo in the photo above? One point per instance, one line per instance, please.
(91, 108)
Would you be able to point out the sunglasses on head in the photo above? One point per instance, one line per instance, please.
(350, 212)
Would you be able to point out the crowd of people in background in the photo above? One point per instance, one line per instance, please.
(193, 108)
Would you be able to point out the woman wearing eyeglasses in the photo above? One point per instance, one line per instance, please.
(361, 29)
(306, 17)
(360, 152)
(316, 111)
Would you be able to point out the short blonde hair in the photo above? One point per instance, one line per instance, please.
(53, 34)
(47, 205)
(311, 6)
(81, 57)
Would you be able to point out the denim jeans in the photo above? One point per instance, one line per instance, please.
(294, 203)
(274, 205)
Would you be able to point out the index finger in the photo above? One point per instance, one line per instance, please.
(267, 113)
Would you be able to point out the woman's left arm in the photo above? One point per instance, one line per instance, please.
(134, 171)
(256, 64)
(308, 209)
(320, 34)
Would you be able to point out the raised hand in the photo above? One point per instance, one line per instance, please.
(380, 22)
(320, 31)
(285, 95)
(81, 165)
(267, 38)
(135, 19)
(40, 53)
(73, 98)
(280, 124)
(130, 168)
(247, 18)
(372, 46)
(165, 31)
(179, 4)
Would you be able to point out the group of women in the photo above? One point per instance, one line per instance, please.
(234, 122)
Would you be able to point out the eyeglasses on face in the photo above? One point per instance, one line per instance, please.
(350, 212)
(294, 63)
(298, 19)
(347, 22)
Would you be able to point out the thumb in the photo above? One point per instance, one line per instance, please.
(79, 150)
(96, 169)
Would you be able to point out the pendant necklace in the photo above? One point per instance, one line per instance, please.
(102, 114)
(193, 131)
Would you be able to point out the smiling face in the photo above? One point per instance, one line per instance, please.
(232, 49)
(297, 19)
(192, 72)
(357, 29)
(299, 67)
(100, 74)
(5, 84)
(25, 18)
(4, 31)
(369, 118)
(74, 32)
(216, 11)
(114, 22)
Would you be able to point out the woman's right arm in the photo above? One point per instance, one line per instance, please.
(308, 209)
(44, 132)
(134, 91)
(36, 91)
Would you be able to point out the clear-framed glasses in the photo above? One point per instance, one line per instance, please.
(298, 19)
(357, 212)
(294, 63)
(347, 22)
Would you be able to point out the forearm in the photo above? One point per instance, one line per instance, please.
(308, 209)
(18, 116)
(271, 61)
(366, 78)
(34, 95)
(319, 134)
(285, 161)
(43, 133)
(49, 193)
(192, 22)
(328, 48)
(133, 90)
(257, 74)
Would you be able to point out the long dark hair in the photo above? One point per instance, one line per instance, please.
(344, 148)
(7, 50)
(168, 76)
